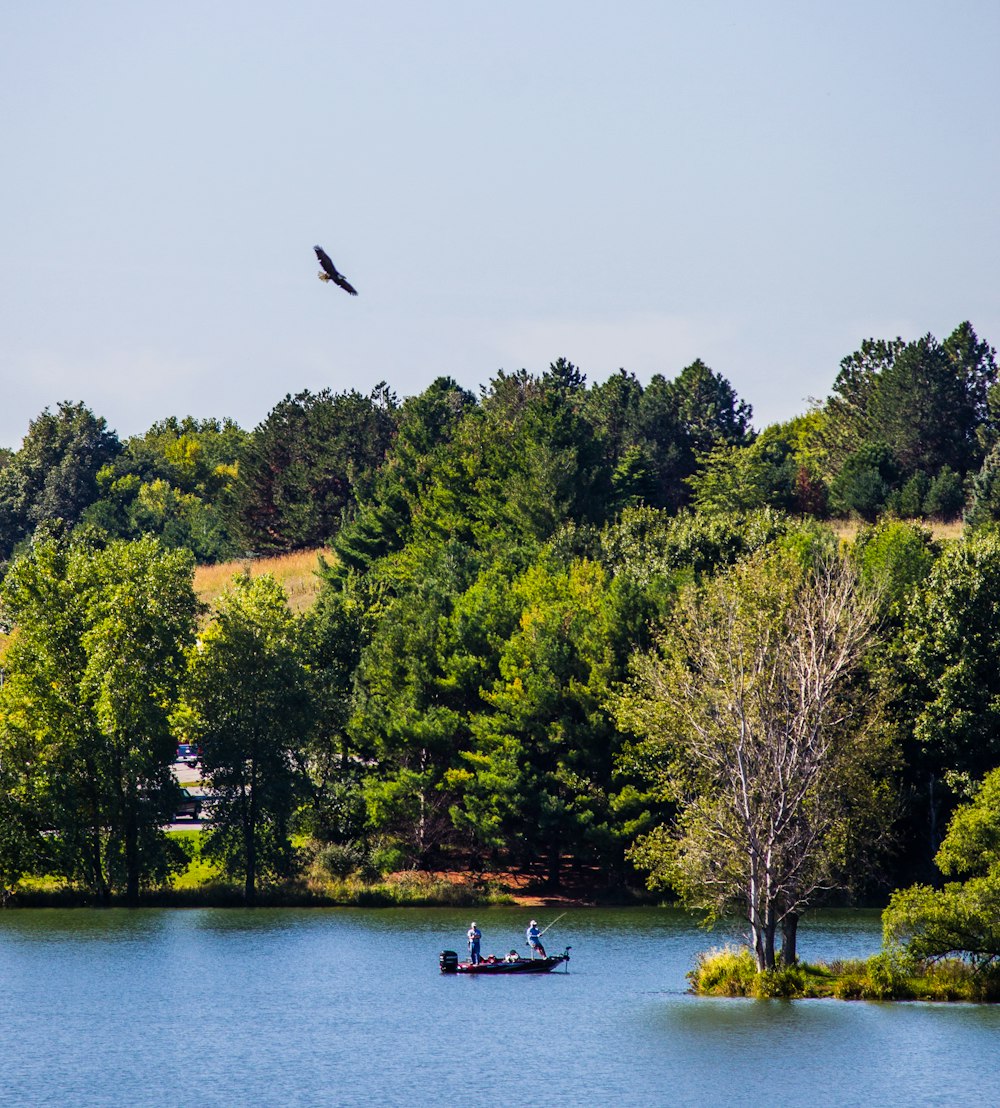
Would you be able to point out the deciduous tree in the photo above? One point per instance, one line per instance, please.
(755, 726)
(53, 475)
(92, 675)
(246, 703)
(963, 918)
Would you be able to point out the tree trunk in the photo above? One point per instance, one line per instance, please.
(763, 925)
(789, 936)
(98, 879)
(933, 829)
(250, 843)
(131, 853)
(769, 930)
(100, 884)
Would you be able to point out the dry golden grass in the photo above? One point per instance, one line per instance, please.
(848, 529)
(296, 573)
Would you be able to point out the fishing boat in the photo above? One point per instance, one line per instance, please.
(513, 963)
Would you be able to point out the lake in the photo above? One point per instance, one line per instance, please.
(347, 1007)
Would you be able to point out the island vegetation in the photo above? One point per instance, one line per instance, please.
(606, 636)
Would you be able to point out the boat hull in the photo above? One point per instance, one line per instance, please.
(499, 967)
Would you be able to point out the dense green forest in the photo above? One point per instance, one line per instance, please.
(603, 629)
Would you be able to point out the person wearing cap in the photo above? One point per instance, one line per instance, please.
(535, 939)
(475, 937)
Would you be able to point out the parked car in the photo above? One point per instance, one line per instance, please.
(189, 806)
(187, 754)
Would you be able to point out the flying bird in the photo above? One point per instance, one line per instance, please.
(329, 272)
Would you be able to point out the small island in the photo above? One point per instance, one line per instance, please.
(940, 943)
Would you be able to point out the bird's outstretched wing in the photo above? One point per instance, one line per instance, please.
(330, 272)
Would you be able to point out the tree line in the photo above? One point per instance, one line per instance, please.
(909, 429)
(560, 626)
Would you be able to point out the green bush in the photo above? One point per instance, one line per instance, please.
(945, 497)
(388, 859)
(850, 986)
(885, 978)
(726, 972)
(340, 860)
(782, 983)
(891, 975)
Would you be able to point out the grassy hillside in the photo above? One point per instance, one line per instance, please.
(295, 572)
(943, 532)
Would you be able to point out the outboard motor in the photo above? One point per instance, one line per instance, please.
(448, 961)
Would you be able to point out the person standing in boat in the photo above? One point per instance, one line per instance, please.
(475, 937)
(535, 939)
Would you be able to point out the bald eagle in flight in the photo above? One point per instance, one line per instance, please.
(329, 272)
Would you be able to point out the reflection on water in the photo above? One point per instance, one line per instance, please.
(346, 1007)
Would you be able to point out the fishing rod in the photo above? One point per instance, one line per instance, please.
(555, 921)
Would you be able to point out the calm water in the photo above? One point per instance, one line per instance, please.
(346, 1007)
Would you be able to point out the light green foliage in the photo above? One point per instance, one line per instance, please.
(174, 481)
(734, 972)
(963, 918)
(890, 975)
(646, 544)
(960, 919)
(972, 845)
(246, 703)
(950, 645)
(895, 559)
(743, 478)
(91, 677)
(728, 972)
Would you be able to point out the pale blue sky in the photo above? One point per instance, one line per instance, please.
(759, 185)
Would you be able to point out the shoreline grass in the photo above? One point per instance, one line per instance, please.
(227, 894)
(889, 976)
(202, 883)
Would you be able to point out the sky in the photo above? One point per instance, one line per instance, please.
(635, 185)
